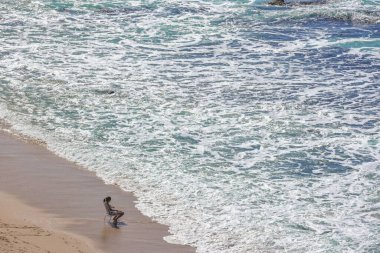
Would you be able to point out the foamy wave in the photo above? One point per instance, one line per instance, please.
(353, 11)
(241, 132)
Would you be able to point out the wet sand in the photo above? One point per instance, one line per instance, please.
(71, 199)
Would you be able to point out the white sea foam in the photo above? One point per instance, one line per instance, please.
(241, 133)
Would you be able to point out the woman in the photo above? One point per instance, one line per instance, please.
(112, 211)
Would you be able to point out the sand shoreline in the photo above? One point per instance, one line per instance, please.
(27, 229)
(70, 200)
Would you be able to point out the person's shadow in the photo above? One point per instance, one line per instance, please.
(118, 224)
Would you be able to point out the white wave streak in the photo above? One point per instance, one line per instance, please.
(240, 133)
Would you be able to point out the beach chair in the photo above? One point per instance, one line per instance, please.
(111, 213)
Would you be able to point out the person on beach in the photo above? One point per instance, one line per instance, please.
(111, 210)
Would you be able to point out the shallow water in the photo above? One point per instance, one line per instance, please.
(244, 127)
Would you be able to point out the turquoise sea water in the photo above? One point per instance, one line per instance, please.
(244, 127)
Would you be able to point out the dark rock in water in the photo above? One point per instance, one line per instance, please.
(277, 2)
(295, 3)
(105, 92)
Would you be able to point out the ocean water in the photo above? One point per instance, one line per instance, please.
(244, 127)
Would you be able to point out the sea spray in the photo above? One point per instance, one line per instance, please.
(244, 127)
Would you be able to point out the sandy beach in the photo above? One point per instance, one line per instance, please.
(52, 205)
(25, 229)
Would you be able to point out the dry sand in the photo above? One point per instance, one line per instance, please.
(23, 229)
(51, 202)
